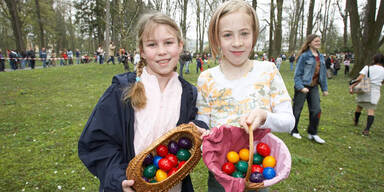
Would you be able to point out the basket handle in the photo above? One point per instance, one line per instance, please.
(250, 160)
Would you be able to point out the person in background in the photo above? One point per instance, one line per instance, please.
(2, 61)
(347, 63)
(111, 53)
(188, 61)
(140, 107)
(279, 61)
(309, 74)
(77, 54)
(369, 101)
(291, 61)
(43, 57)
(100, 53)
(70, 56)
(31, 56)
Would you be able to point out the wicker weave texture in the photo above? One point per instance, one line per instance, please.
(135, 169)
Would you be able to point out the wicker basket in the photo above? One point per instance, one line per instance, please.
(135, 168)
(248, 184)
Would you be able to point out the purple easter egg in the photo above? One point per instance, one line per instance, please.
(256, 177)
(173, 147)
(185, 143)
(148, 160)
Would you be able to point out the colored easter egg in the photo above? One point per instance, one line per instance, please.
(172, 171)
(149, 171)
(242, 166)
(153, 181)
(156, 160)
(238, 174)
(244, 154)
(263, 149)
(228, 168)
(183, 154)
(269, 161)
(257, 159)
(256, 177)
(161, 150)
(165, 164)
(148, 160)
(173, 147)
(269, 173)
(185, 143)
(173, 159)
(160, 175)
(256, 168)
(181, 163)
(233, 157)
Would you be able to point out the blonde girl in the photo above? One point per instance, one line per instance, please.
(139, 107)
(239, 91)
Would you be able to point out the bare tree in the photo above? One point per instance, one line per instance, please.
(13, 7)
(297, 11)
(366, 34)
(344, 16)
(107, 27)
(278, 30)
(310, 17)
(271, 29)
(40, 22)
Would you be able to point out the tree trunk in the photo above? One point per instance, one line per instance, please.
(107, 28)
(271, 23)
(16, 24)
(294, 25)
(278, 30)
(254, 4)
(40, 22)
(198, 28)
(344, 15)
(368, 40)
(100, 24)
(184, 21)
(310, 17)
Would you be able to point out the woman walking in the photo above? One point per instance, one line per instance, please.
(310, 72)
(369, 100)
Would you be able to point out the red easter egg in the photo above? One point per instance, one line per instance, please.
(228, 168)
(173, 159)
(172, 171)
(263, 149)
(256, 168)
(165, 164)
(162, 150)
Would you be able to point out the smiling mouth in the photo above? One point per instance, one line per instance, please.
(163, 61)
(237, 52)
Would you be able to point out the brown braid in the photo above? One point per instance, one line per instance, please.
(136, 93)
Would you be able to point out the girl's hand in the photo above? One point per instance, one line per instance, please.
(254, 119)
(127, 184)
(325, 93)
(203, 132)
(304, 90)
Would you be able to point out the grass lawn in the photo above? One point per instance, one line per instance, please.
(43, 112)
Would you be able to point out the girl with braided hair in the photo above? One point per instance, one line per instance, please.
(139, 107)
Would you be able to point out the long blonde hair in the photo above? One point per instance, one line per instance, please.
(305, 45)
(136, 92)
(224, 9)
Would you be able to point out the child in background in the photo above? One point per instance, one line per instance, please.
(239, 91)
(139, 107)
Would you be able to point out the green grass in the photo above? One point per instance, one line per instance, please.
(43, 112)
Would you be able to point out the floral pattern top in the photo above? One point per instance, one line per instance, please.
(222, 102)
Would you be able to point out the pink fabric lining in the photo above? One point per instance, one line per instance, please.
(226, 138)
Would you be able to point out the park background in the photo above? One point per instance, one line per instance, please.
(43, 111)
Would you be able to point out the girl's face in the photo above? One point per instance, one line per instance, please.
(315, 43)
(161, 50)
(236, 35)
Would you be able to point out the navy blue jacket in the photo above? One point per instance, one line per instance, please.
(106, 144)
